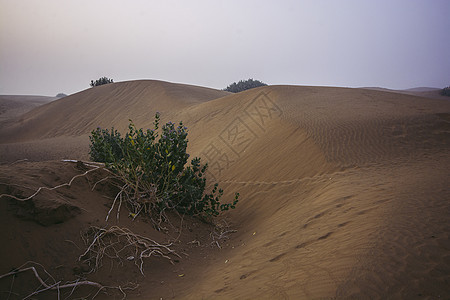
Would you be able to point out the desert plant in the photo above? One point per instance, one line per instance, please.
(101, 81)
(153, 170)
(61, 95)
(445, 91)
(243, 85)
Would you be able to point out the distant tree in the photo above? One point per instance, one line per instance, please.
(101, 81)
(243, 85)
(61, 95)
(445, 91)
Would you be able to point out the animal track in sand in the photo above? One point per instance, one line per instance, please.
(325, 236)
(248, 274)
(278, 257)
(326, 176)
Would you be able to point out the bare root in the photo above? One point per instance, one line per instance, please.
(139, 197)
(220, 233)
(58, 285)
(121, 244)
(94, 166)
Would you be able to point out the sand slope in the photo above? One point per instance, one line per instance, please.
(66, 123)
(12, 106)
(344, 191)
(106, 106)
(426, 92)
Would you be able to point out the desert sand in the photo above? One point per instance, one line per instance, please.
(344, 193)
(12, 106)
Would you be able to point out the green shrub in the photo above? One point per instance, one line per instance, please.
(445, 91)
(154, 172)
(101, 81)
(243, 85)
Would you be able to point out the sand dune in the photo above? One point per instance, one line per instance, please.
(75, 116)
(344, 191)
(106, 106)
(13, 106)
(426, 92)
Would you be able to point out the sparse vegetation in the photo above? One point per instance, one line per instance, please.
(153, 171)
(101, 81)
(445, 91)
(61, 95)
(243, 85)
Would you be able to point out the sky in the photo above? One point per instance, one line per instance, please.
(59, 46)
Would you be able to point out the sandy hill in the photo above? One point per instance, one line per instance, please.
(426, 92)
(344, 191)
(422, 89)
(12, 106)
(106, 106)
(66, 123)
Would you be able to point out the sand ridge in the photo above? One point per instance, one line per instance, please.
(106, 106)
(344, 191)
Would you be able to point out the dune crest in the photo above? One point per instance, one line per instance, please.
(105, 106)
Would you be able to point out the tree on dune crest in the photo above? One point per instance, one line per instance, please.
(445, 91)
(101, 81)
(243, 85)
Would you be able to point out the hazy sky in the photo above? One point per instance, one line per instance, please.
(52, 46)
